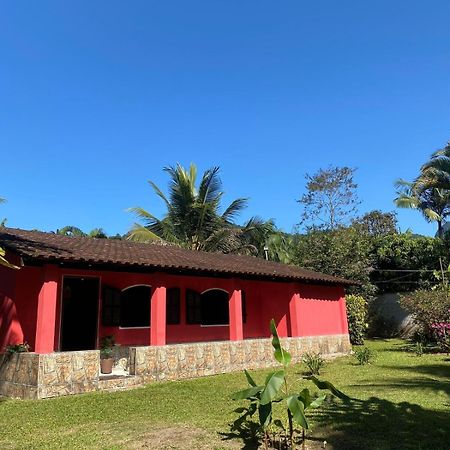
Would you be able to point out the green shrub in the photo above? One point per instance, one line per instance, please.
(364, 355)
(17, 348)
(314, 362)
(357, 318)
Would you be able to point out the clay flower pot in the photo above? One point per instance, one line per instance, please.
(106, 365)
(107, 353)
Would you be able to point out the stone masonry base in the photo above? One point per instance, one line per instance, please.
(33, 376)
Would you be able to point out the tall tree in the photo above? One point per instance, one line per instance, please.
(377, 223)
(98, 233)
(344, 252)
(331, 199)
(70, 230)
(193, 218)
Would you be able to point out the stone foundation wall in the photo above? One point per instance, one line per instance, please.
(32, 375)
(172, 362)
(19, 375)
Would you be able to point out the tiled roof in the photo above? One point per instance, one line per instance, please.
(38, 246)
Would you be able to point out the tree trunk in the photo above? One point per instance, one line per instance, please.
(440, 229)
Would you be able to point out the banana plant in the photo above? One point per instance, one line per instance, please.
(275, 389)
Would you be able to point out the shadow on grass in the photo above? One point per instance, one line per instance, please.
(380, 424)
(429, 382)
(434, 370)
(247, 433)
(410, 347)
(373, 424)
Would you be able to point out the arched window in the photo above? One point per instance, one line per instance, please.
(215, 309)
(208, 308)
(135, 306)
(131, 307)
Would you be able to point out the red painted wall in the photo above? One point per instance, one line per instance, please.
(19, 290)
(10, 328)
(322, 308)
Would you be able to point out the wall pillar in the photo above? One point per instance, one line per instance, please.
(295, 314)
(158, 314)
(235, 310)
(46, 311)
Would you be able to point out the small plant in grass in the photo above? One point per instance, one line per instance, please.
(23, 347)
(364, 355)
(418, 349)
(314, 362)
(276, 390)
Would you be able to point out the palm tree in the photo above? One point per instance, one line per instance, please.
(430, 191)
(432, 202)
(193, 219)
(436, 172)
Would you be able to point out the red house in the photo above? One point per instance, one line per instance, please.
(71, 291)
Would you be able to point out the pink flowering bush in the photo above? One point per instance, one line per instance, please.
(442, 334)
(431, 309)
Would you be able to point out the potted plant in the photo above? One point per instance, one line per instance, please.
(107, 344)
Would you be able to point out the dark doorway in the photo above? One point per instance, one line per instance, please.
(79, 313)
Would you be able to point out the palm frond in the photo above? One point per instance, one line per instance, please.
(234, 209)
(143, 214)
(139, 233)
(431, 215)
(402, 184)
(160, 193)
(210, 186)
(407, 201)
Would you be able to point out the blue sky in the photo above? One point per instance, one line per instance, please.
(96, 97)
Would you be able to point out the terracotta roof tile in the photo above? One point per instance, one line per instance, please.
(50, 247)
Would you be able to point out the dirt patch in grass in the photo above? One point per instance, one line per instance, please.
(179, 438)
(187, 438)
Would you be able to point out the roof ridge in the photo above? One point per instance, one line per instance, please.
(46, 246)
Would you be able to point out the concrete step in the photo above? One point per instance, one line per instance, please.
(118, 382)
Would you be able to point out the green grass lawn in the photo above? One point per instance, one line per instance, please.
(400, 401)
